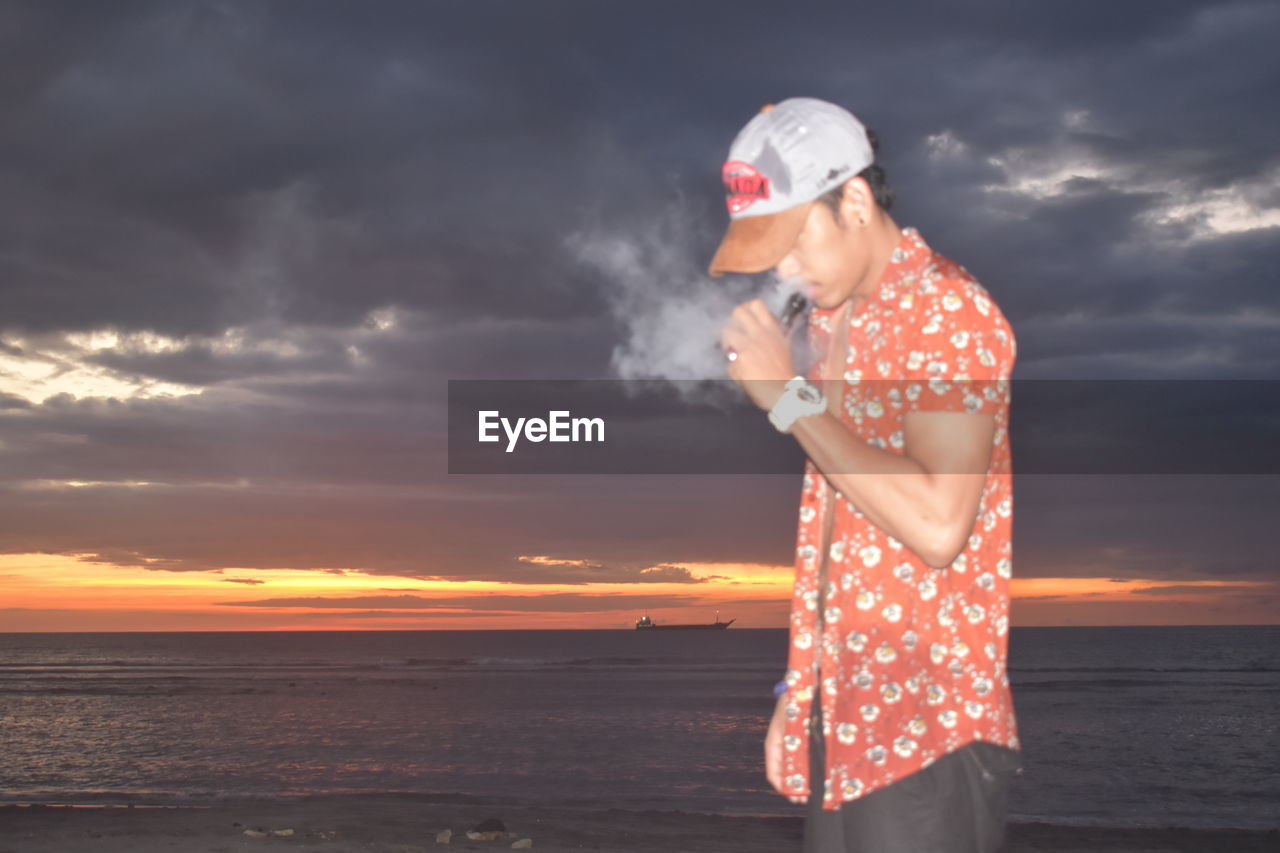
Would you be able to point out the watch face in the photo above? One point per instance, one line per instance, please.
(809, 393)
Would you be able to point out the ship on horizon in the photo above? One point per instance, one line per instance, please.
(644, 623)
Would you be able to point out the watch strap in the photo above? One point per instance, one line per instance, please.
(793, 405)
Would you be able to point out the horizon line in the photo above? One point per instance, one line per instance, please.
(476, 630)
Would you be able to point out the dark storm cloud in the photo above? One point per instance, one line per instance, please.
(308, 166)
(41, 39)
(1174, 527)
(216, 439)
(469, 531)
(280, 159)
(1185, 528)
(280, 171)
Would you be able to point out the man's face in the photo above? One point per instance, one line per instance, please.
(829, 256)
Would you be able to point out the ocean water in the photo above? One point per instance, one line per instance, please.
(1121, 726)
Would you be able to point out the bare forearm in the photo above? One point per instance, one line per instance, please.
(929, 512)
(926, 497)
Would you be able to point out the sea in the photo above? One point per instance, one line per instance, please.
(1141, 726)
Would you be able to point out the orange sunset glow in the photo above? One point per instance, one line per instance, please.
(45, 592)
(63, 593)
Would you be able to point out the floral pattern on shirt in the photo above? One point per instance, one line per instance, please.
(911, 659)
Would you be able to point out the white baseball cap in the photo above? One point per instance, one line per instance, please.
(786, 157)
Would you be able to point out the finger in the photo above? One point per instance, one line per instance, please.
(733, 328)
(761, 313)
(732, 322)
(733, 338)
(746, 317)
(773, 764)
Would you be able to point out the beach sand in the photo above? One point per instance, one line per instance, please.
(401, 824)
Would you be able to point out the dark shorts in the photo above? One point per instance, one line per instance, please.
(955, 805)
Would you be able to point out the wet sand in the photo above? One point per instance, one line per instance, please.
(407, 824)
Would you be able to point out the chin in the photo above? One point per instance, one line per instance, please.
(829, 301)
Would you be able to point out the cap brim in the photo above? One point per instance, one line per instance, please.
(759, 243)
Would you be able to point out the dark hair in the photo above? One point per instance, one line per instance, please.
(875, 177)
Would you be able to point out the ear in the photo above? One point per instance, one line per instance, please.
(857, 203)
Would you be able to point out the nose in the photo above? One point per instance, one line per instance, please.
(788, 267)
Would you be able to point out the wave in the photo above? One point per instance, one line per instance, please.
(562, 661)
(1154, 669)
(406, 663)
(1111, 683)
(180, 665)
(149, 690)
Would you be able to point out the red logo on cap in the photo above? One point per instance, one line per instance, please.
(743, 185)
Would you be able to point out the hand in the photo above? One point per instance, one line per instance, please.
(763, 363)
(773, 745)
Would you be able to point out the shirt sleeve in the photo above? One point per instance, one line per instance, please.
(960, 352)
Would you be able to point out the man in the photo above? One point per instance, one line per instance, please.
(895, 721)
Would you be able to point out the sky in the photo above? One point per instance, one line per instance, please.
(244, 246)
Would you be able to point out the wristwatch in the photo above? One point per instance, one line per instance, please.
(799, 399)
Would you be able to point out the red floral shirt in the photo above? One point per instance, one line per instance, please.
(911, 659)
